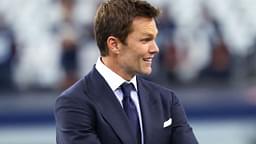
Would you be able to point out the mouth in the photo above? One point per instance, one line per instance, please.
(148, 60)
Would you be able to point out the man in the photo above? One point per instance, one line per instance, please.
(8, 47)
(111, 105)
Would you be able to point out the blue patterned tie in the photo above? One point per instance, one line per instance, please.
(130, 109)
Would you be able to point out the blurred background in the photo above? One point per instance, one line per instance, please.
(207, 55)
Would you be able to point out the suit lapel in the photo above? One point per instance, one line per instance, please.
(148, 110)
(109, 106)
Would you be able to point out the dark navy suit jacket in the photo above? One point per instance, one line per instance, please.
(89, 113)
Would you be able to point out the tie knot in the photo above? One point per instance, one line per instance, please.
(127, 88)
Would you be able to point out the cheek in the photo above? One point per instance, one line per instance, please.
(138, 58)
(135, 54)
(133, 60)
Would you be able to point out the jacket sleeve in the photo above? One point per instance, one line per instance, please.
(75, 122)
(182, 132)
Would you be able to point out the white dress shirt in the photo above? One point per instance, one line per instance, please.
(115, 81)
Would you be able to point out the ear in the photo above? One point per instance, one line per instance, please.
(113, 44)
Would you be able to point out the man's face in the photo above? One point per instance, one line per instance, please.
(136, 55)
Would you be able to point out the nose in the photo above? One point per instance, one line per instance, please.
(154, 48)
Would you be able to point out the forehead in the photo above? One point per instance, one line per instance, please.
(144, 26)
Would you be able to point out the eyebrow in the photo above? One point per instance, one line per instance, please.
(150, 34)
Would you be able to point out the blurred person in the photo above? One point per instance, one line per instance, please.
(7, 55)
(219, 68)
(68, 30)
(113, 104)
(170, 62)
(168, 55)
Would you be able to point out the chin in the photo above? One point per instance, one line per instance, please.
(147, 72)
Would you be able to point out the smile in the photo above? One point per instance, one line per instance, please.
(148, 60)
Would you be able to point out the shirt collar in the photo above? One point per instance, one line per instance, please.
(112, 78)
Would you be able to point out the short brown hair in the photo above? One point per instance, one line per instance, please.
(115, 17)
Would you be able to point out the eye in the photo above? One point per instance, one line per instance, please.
(145, 40)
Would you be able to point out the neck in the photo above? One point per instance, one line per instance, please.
(115, 67)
